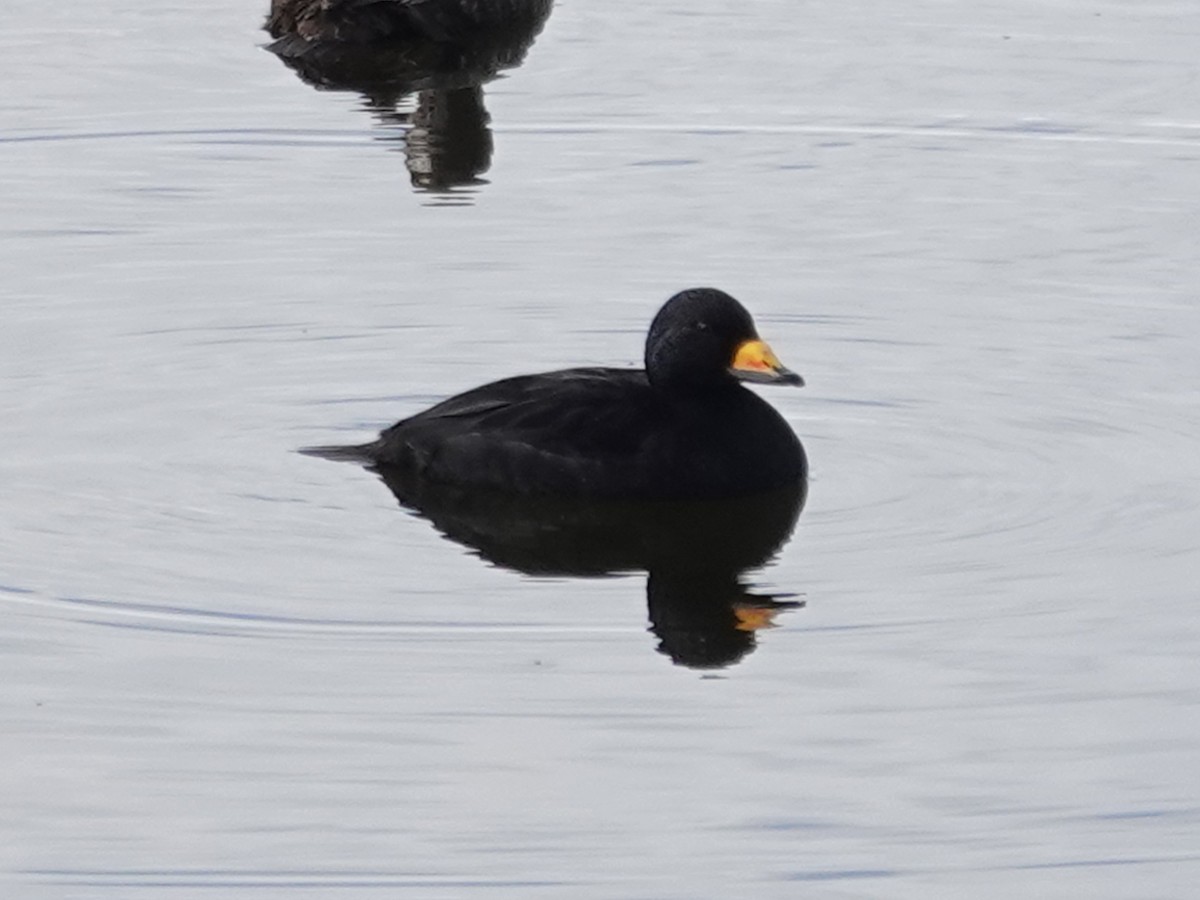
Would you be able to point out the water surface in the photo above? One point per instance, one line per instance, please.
(231, 667)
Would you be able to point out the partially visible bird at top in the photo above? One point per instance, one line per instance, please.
(374, 21)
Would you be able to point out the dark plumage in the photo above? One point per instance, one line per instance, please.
(445, 50)
(681, 428)
(368, 21)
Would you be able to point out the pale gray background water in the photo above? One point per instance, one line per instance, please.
(230, 669)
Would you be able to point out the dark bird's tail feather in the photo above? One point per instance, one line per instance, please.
(359, 453)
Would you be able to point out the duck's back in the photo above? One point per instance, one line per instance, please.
(596, 432)
(365, 21)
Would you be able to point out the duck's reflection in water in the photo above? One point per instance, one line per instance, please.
(446, 139)
(694, 552)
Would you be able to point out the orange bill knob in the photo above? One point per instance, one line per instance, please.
(755, 361)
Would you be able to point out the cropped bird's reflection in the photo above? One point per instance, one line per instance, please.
(694, 552)
(443, 51)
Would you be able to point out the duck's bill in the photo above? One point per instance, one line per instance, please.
(754, 361)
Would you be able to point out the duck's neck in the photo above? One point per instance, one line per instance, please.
(720, 386)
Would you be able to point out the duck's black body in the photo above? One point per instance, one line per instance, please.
(377, 21)
(598, 432)
(681, 428)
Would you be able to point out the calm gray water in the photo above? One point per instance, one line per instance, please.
(229, 669)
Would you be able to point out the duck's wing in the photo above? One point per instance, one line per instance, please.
(572, 407)
(362, 21)
(578, 430)
(349, 21)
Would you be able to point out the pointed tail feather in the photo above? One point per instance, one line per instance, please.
(360, 453)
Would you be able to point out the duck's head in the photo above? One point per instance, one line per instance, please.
(703, 338)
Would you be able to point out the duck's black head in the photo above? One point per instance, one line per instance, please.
(703, 338)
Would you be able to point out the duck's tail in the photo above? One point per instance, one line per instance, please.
(359, 453)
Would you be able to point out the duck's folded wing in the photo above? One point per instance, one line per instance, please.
(352, 21)
(568, 409)
(560, 431)
(434, 20)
